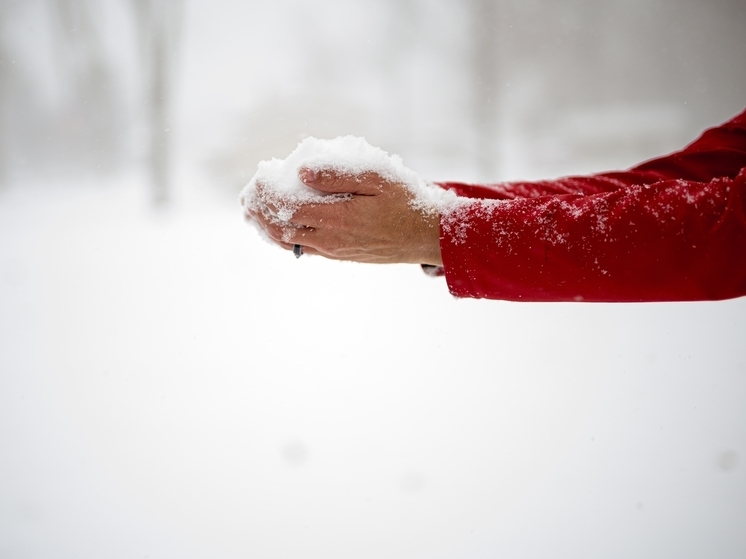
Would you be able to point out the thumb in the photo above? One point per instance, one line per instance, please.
(336, 182)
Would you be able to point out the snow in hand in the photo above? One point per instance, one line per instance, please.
(346, 155)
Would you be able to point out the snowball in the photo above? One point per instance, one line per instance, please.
(347, 155)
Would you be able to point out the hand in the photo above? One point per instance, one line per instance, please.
(375, 224)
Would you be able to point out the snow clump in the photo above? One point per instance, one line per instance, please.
(347, 155)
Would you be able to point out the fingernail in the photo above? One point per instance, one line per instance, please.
(308, 175)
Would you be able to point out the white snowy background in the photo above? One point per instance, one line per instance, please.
(171, 386)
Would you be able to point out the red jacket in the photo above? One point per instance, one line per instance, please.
(670, 229)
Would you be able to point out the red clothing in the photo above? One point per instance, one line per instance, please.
(670, 229)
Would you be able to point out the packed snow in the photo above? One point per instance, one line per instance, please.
(347, 155)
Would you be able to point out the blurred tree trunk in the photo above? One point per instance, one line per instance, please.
(158, 25)
(91, 121)
(485, 64)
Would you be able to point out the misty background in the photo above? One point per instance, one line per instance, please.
(172, 386)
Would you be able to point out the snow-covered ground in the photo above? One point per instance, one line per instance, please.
(173, 386)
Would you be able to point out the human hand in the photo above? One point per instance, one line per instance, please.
(377, 222)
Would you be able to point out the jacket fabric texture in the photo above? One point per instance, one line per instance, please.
(669, 229)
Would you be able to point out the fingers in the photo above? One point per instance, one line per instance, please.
(268, 204)
(362, 185)
(283, 233)
(308, 214)
(333, 181)
(319, 215)
(307, 250)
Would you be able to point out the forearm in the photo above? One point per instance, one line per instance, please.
(674, 240)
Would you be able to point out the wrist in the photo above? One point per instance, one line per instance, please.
(429, 246)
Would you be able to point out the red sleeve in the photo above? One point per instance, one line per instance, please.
(670, 229)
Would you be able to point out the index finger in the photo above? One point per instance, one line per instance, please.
(333, 181)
